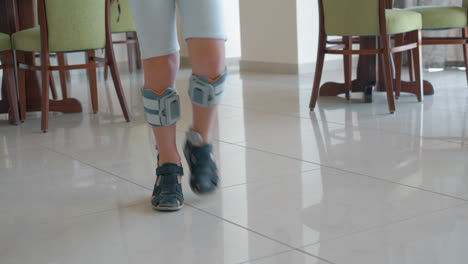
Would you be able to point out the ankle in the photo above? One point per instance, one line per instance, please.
(205, 138)
(173, 160)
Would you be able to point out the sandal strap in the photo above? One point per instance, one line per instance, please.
(168, 193)
(202, 154)
(169, 189)
(170, 169)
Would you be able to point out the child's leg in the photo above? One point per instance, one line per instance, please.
(207, 58)
(156, 25)
(160, 73)
(206, 90)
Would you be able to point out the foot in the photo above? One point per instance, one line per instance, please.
(167, 194)
(204, 172)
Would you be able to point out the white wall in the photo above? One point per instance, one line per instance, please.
(307, 30)
(268, 31)
(280, 32)
(232, 24)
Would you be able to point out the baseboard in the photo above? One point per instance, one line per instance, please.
(268, 67)
(289, 68)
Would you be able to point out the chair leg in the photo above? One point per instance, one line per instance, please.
(93, 83)
(465, 50)
(111, 61)
(137, 52)
(9, 75)
(348, 66)
(417, 62)
(65, 62)
(318, 72)
(398, 64)
(130, 51)
(45, 91)
(63, 75)
(106, 71)
(410, 64)
(22, 93)
(388, 78)
(53, 88)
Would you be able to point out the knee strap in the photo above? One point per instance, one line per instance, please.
(206, 92)
(161, 110)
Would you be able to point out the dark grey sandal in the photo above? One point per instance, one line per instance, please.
(204, 172)
(167, 194)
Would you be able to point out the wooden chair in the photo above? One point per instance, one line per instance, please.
(122, 23)
(69, 26)
(445, 18)
(6, 57)
(366, 18)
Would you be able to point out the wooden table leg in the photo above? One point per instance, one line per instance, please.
(4, 105)
(368, 75)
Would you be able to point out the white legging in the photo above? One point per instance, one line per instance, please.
(156, 23)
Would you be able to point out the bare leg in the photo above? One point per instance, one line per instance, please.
(208, 59)
(160, 74)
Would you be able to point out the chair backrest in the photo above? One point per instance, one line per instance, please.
(5, 43)
(124, 22)
(75, 25)
(351, 18)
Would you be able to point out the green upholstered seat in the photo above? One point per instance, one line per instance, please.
(125, 23)
(5, 43)
(398, 21)
(442, 17)
(361, 18)
(27, 40)
(73, 25)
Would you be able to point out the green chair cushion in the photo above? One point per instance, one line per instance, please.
(5, 43)
(442, 17)
(125, 23)
(398, 21)
(73, 25)
(27, 40)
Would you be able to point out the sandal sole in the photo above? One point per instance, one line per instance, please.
(167, 209)
(197, 192)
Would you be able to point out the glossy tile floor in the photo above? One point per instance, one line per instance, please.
(346, 184)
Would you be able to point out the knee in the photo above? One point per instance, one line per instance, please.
(210, 67)
(160, 72)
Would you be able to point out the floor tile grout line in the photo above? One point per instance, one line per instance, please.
(370, 229)
(293, 248)
(234, 185)
(339, 123)
(257, 182)
(348, 171)
(256, 232)
(284, 252)
(71, 218)
(236, 144)
(439, 141)
(265, 257)
(299, 249)
(260, 234)
(95, 167)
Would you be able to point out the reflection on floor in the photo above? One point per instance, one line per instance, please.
(347, 184)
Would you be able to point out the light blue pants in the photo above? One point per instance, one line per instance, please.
(156, 23)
